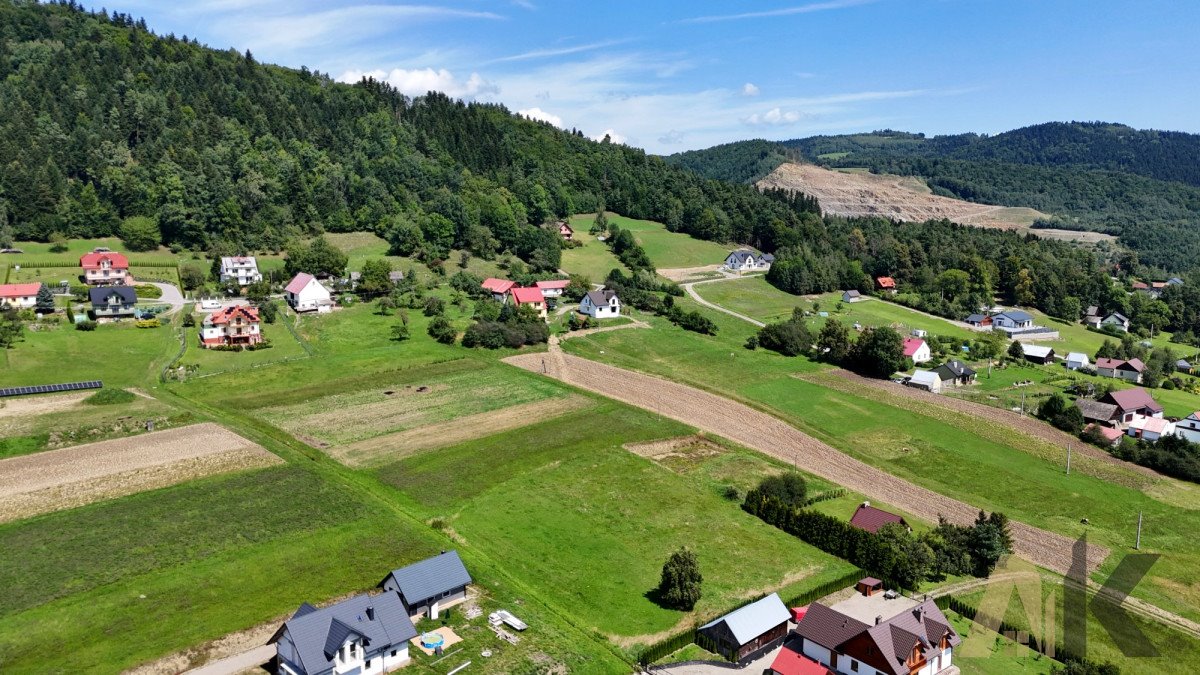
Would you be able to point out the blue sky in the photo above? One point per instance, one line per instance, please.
(670, 75)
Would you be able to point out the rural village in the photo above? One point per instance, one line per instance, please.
(485, 395)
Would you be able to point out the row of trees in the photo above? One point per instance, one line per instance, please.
(878, 351)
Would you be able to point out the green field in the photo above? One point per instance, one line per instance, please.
(666, 249)
(1004, 655)
(593, 260)
(284, 347)
(929, 451)
(119, 354)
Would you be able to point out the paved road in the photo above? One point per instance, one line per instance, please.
(772, 436)
(238, 663)
(170, 296)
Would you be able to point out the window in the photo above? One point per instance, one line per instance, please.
(367, 664)
(853, 665)
(393, 652)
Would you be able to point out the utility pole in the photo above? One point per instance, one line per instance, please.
(1138, 544)
(1022, 402)
(1068, 459)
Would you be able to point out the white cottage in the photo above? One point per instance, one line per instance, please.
(1188, 428)
(1077, 360)
(743, 260)
(305, 294)
(240, 268)
(600, 304)
(363, 635)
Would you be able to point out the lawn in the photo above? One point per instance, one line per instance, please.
(928, 451)
(360, 246)
(527, 496)
(119, 354)
(1005, 656)
(666, 249)
(593, 260)
(284, 347)
(212, 551)
(79, 423)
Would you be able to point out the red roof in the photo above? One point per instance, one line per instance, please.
(798, 613)
(911, 345)
(298, 282)
(523, 296)
(886, 282)
(1135, 365)
(91, 261)
(789, 662)
(19, 290)
(1132, 399)
(564, 228)
(227, 314)
(497, 285)
(553, 283)
(1109, 433)
(871, 519)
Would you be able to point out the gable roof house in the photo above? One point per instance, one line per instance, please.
(792, 662)
(1183, 366)
(498, 287)
(1130, 371)
(363, 634)
(917, 350)
(564, 230)
(240, 268)
(744, 260)
(305, 294)
(552, 288)
(925, 379)
(1037, 353)
(869, 518)
(1092, 316)
(1131, 402)
(1097, 412)
(235, 325)
(431, 585)
(851, 296)
(600, 304)
(1116, 319)
(748, 629)
(1013, 320)
(529, 296)
(104, 268)
(19, 296)
(1188, 428)
(954, 373)
(916, 640)
(1150, 428)
(886, 284)
(980, 321)
(1077, 360)
(112, 302)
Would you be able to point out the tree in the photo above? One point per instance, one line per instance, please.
(140, 233)
(879, 352)
(45, 300)
(790, 338)
(191, 276)
(1015, 351)
(789, 488)
(681, 580)
(400, 331)
(320, 258)
(268, 310)
(11, 327)
(258, 292)
(599, 224)
(833, 342)
(375, 277)
(7, 238)
(989, 540)
(384, 305)
(953, 284)
(442, 330)
(434, 306)
(58, 242)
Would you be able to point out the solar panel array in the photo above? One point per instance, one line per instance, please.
(50, 388)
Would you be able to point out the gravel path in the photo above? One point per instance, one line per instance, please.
(770, 435)
(170, 296)
(696, 296)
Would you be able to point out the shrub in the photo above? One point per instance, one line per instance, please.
(790, 338)
(679, 587)
(86, 324)
(189, 320)
(148, 323)
(147, 291)
(109, 397)
(434, 306)
(442, 330)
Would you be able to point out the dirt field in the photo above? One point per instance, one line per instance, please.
(70, 477)
(14, 412)
(683, 274)
(770, 435)
(897, 197)
(391, 447)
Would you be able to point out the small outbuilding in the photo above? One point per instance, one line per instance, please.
(1077, 360)
(955, 373)
(925, 379)
(869, 518)
(851, 296)
(749, 629)
(1037, 353)
(868, 586)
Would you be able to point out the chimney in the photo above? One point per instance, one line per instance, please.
(878, 619)
(917, 612)
(866, 503)
(370, 614)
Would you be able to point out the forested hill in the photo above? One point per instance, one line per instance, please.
(1092, 176)
(101, 120)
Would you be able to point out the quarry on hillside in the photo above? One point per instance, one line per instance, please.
(860, 194)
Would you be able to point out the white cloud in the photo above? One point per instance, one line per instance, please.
(785, 11)
(774, 117)
(672, 137)
(558, 51)
(541, 116)
(422, 81)
(749, 89)
(612, 136)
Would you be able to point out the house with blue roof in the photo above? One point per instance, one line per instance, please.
(429, 586)
(362, 635)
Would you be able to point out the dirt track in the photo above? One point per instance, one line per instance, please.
(770, 435)
(895, 197)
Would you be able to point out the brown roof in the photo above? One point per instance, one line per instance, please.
(871, 519)
(827, 626)
(895, 638)
(1132, 399)
(1095, 410)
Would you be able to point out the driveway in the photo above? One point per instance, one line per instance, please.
(252, 660)
(170, 295)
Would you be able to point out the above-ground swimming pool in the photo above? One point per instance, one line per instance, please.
(432, 640)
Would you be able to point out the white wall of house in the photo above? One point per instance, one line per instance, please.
(19, 301)
(107, 275)
(847, 666)
(816, 652)
(242, 271)
(612, 309)
(310, 298)
(922, 354)
(431, 608)
(1188, 429)
(1128, 375)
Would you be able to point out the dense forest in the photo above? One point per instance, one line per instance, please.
(1143, 186)
(101, 121)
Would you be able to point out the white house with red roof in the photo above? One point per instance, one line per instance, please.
(1130, 370)
(552, 288)
(236, 325)
(499, 288)
(104, 268)
(1131, 403)
(564, 230)
(917, 350)
(305, 294)
(20, 296)
(529, 296)
(1150, 428)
